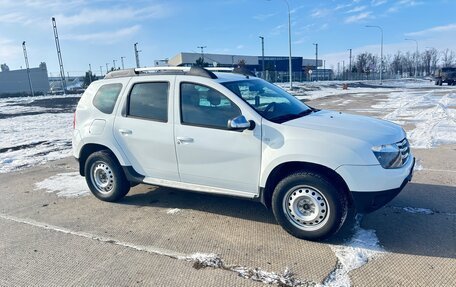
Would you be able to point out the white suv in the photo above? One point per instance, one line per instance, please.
(231, 133)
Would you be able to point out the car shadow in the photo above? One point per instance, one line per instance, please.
(398, 231)
(170, 198)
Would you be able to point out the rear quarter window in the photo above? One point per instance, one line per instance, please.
(106, 97)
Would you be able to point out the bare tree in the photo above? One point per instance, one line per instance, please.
(434, 59)
(448, 57)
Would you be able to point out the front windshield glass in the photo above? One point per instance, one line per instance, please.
(268, 100)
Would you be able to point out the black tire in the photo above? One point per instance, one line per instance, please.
(105, 177)
(308, 206)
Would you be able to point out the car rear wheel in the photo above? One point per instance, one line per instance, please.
(105, 177)
(308, 206)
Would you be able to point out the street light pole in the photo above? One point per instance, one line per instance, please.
(262, 54)
(381, 51)
(122, 60)
(90, 73)
(316, 61)
(101, 71)
(416, 56)
(350, 64)
(289, 44)
(114, 64)
(136, 54)
(202, 52)
(107, 69)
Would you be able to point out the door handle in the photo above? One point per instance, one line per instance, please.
(125, 132)
(184, 140)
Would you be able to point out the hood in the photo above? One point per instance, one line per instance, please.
(372, 130)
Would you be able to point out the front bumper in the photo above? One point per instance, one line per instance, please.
(366, 202)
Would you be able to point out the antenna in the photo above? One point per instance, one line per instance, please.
(59, 55)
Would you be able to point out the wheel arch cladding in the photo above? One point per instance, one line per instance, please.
(287, 168)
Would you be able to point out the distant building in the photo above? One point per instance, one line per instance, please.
(253, 63)
(16, 81)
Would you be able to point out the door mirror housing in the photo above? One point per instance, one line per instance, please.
(240, 123)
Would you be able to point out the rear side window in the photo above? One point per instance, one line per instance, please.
(106, 97)
(149, 101)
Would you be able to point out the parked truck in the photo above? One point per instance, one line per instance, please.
(445, 75)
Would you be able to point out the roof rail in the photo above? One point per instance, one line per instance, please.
(121, 73)
(220, 69)
(192, 71)
(158, 69)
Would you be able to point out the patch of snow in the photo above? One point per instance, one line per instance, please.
(418, 165)
(433, 116)
(358, 251)
(285, 279)
(173, 210)
(418, 210)
(70, 184)
(34, 139)
(202, 260)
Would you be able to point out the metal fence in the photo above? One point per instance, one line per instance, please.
(282, 77)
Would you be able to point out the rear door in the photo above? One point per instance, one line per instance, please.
(144, 127)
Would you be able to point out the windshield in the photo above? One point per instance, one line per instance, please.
(268, 100)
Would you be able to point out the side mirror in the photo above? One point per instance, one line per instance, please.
(240, 123)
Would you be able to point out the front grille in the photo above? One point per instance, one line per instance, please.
(404, 147)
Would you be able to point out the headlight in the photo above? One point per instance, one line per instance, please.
(389, 155)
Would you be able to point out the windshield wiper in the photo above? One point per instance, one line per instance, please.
(289, 117)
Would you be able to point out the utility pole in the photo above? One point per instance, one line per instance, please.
(350, 65)
(202, 52)
(59, 55)
(122, 60)
(114, 64)
(101, 71)
(316, 61)
(324, 70)
(137, 54)
(262, 55)
(28, 69)
(107, 69)
(343, 70)
(90, 73)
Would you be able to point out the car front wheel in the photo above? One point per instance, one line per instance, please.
(308, 206)
(105, 177)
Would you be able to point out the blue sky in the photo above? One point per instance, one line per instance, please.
(99, 31)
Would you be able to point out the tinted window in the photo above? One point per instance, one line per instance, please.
(150, 101)
(106, 97)
(204, 106)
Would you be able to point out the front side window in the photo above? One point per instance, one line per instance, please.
(204, 106)
(106, 97)
(149, 101)
(268, 100)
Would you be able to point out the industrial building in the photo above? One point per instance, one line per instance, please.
(253, 63)
(17, 82)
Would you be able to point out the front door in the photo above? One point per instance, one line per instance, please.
(208, 152)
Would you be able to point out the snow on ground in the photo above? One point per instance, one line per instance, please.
(418, 210)
(173, 210)
(434, 116)
(33, 131)
(34, 139)
(70, 184)
(358, 251)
